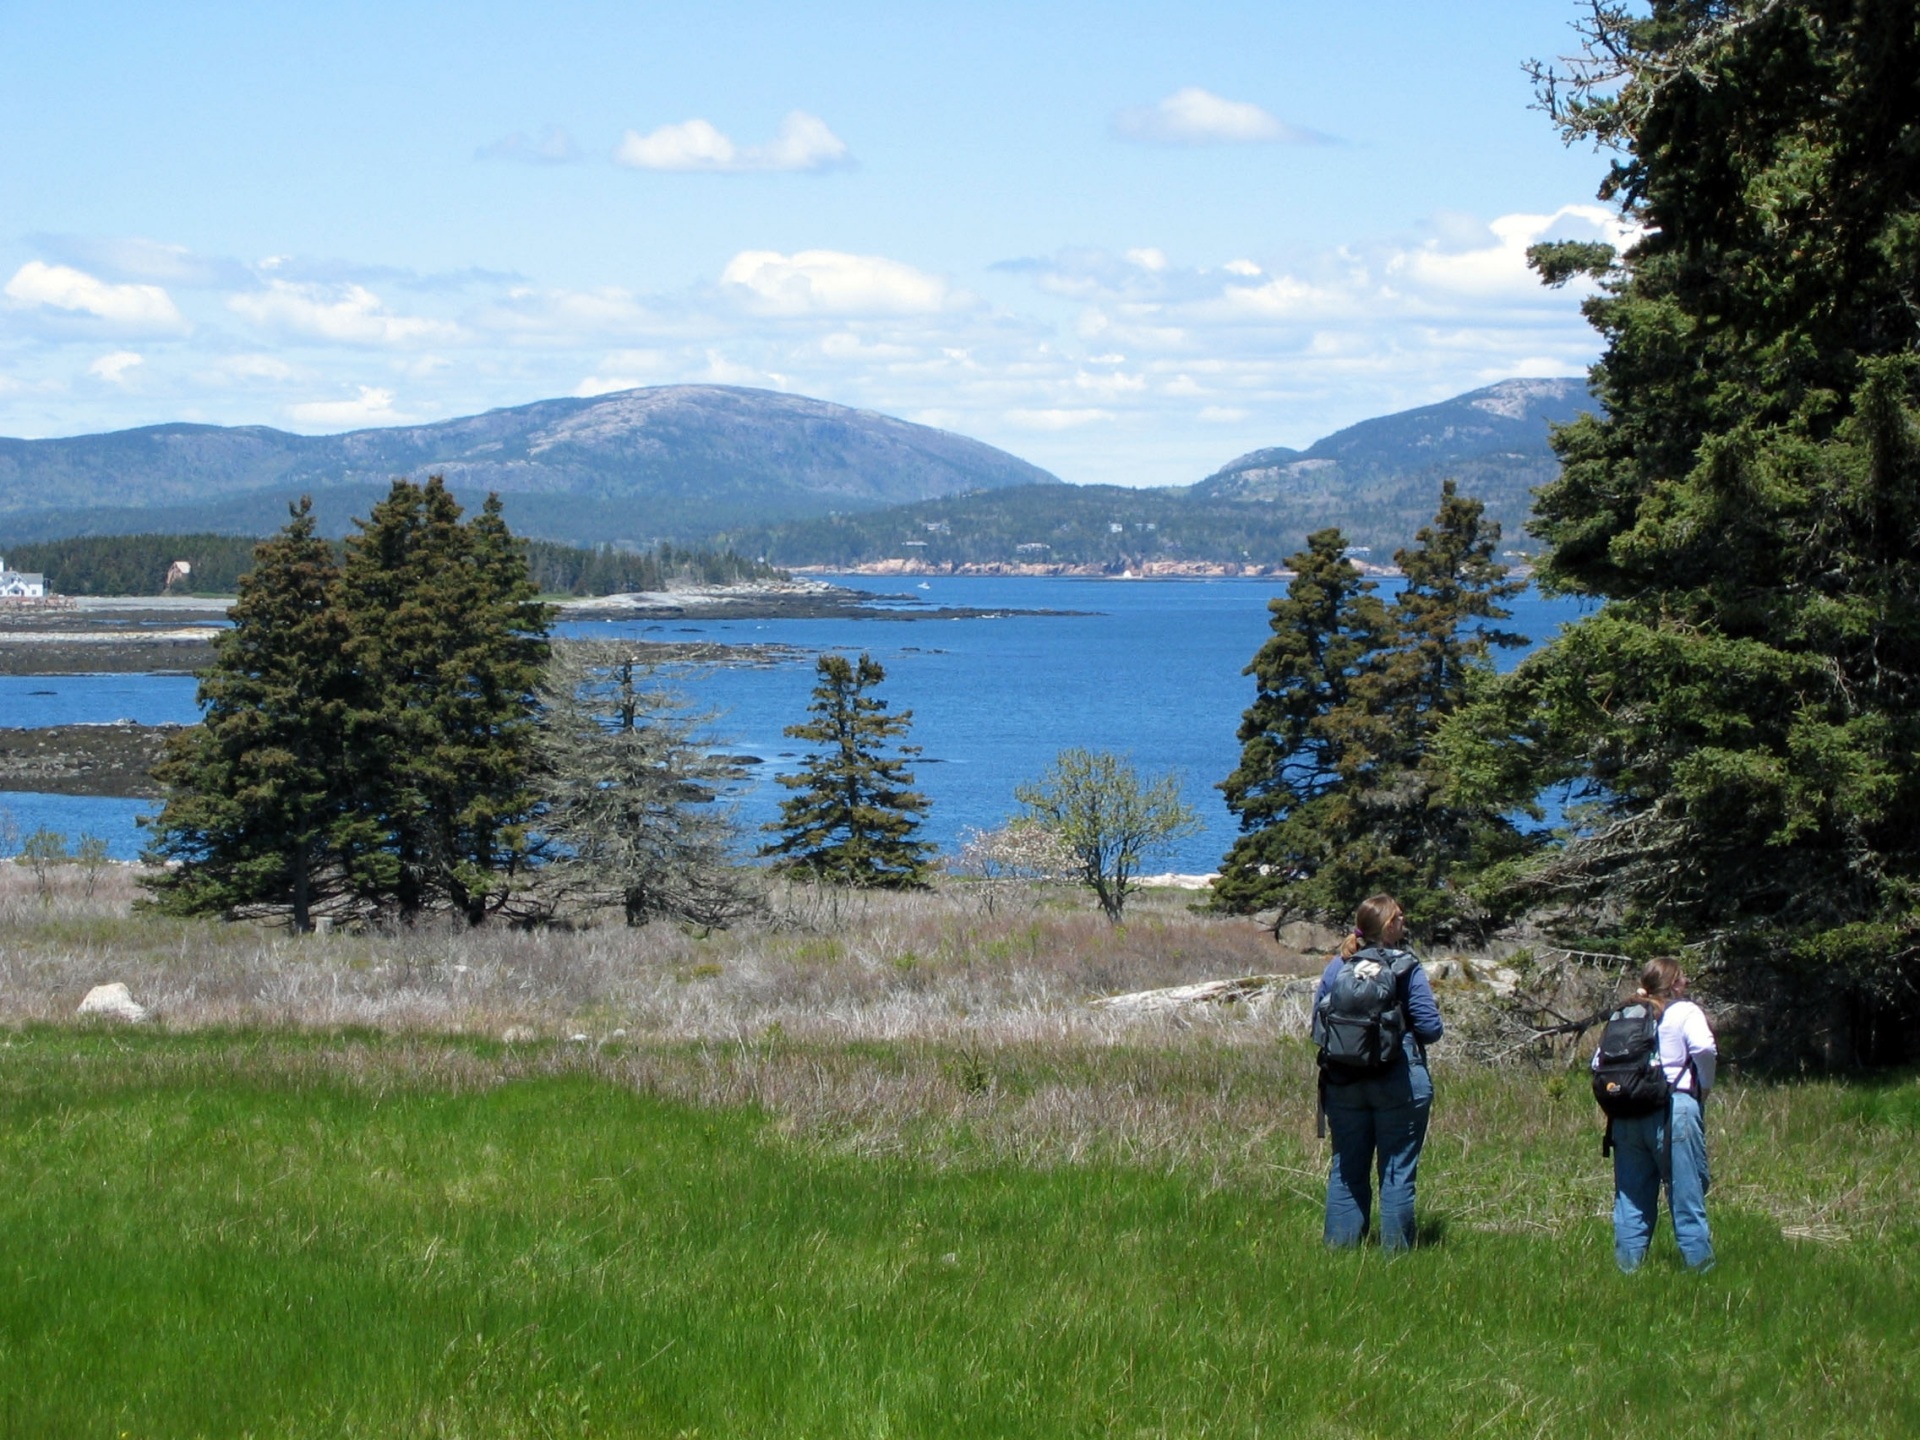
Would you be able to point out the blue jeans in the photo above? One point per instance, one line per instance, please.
(1383, 1120)
(1640, 1165)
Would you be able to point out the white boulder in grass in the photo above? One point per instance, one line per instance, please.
(113, 1002)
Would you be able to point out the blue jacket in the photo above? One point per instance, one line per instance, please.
(1416, 998)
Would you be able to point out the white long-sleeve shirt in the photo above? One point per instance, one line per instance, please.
(1684, 1035)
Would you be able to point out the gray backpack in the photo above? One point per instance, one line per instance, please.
(1360, 1022)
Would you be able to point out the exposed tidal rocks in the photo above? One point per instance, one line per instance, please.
(776, 600)
(174, 636)
(116, 759)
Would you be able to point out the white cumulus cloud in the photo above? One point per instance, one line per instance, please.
(1193, 116)
(113, 368)
(371, 406)
(804, 142)
(831, 282)
(1500, 269)
(61, 287)
(344, 314)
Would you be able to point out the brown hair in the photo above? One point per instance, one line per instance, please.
(1373, 917)
(1657, 979)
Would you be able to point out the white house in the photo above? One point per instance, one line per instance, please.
(16, 585)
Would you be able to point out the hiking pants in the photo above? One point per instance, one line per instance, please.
(1639, 1167)
(1383, 1121)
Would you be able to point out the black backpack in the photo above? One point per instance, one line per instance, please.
(1360, 1022)
(1629, 1081)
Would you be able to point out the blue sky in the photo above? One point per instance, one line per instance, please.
(1124, 241)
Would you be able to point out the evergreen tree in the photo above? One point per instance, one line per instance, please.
(1744, 708)
(1310, 741)
(1444, 627)
(1340, 791)
(257, 804)
(449, 642)
(629, 792)
(853, 818)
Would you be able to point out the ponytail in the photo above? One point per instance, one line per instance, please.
(1373, 916)
(1657, 979)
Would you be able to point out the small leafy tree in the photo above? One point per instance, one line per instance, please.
(1007, 860)
(1098, 808)
(42, 850)
(92, 856)
(853, 818)
(629, 792)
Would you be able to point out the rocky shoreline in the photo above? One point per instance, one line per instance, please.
(798, 599)
(158, 635)
(167, 635)
(115, 759)
(1145, 570)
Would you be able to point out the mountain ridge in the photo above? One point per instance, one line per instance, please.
(1509, 418)
(634, 458)
(1379, 481)
(805, 482)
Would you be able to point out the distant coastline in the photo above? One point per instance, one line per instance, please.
(1146, 570)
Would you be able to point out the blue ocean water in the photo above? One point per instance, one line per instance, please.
(1148, 668)
(112, 819)
(97, 699)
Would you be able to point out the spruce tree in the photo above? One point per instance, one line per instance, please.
(1340, 790)
(630, 793)
(1311, 741)
(449, 641)
(258, 808)
(853, 818)
(1444, 625)
(1744, 706)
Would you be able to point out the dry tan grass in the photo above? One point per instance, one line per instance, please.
(922, 1025)
(847, 966)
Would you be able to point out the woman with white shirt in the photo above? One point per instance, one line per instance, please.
(1671, 1143)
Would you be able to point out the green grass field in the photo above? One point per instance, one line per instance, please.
(275, 1234)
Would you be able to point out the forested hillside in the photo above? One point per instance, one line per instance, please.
(1378, 481)
(140, 565)
(1109, 526)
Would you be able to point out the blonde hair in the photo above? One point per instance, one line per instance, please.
(1376, 912)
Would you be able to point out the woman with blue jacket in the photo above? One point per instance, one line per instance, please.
(1379, 1118)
